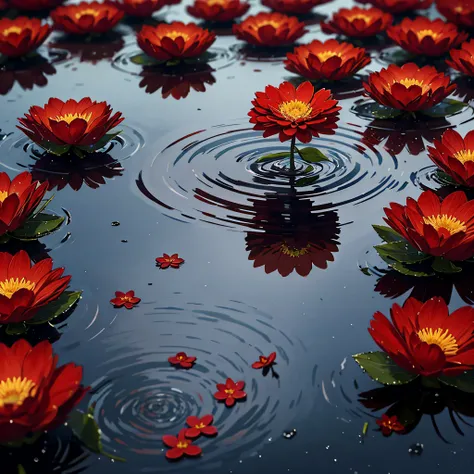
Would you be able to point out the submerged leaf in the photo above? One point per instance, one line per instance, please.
(271, 156)
(442, 265)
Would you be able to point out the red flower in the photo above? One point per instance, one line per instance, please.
(21, 35)
(298, 7)
(230, 392)
(129, 300)
(439, 228)
(463, 59)
(140, 8)
(183, 360)
(166, 261)
(409, 87)
(82, 123)
(423, 338)
(25, 288)
(401, 6)
(180, 446)
(426, 37)
(264, 361)
(218, 10)
(291, 111)
(389, 424)
(358, 22)
(84, 18)
(200, 426)
(34, 5)
(18, 200)
(459, 12)
(35, 395)
(269, 29)
(330, 60)
(455, 156)
(174, 41)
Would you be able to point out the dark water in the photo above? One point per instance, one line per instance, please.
(183, 179)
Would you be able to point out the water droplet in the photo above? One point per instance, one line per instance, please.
(416, 449)
(115, 223)
(289, 434)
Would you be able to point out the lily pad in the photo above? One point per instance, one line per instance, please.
(312, 155)
(401, 252)
(43, 205)
(382, 369)
(441, 265)
(445, 108)
(38, 226)
(54, 148)
(272, 156)
(145, 60)
(97, 146)
(16, 329)
(464, 382)
(406, 270)
(387, 234)
(57, 308)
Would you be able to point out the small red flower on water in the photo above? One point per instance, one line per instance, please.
(200, 426)
(21, 35)
(295, 7)
(230, 392)
(183, 360)
(459, 12)
(400, 6)
(218, 10)
(265, 361)
(129, 300)
(389, 424)
(166, 261)
(289, 112)
(462, 59)
(180, 446)
(140, 8)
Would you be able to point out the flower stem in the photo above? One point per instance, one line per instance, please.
(292, 154)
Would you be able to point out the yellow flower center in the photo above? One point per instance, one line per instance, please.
(176, 34)
(450, 223)
(263, 360)
(8, 287)
(325, 55)
(14, 391)
(359, 16)
(293, 251)
(274, 23)
(442, 338)
(408, 82)
(295, 109)
(462, 156)
(216, 2)
(13, 29)
(68, 118)
(200, 426)
(182, 445)
(87, 11)
(3, 195)
(229, 391)
(459, 9)
(422, 33)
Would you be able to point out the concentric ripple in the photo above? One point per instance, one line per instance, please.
(142, 397)
(214, 175)
(20, 151)
(430, 178)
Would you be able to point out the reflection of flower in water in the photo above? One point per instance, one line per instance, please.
(74, 172)
(293, 238)
(464, 88)
(26, 73)
(177, 83)
(410, 402)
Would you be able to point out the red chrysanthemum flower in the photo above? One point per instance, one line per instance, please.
(35, 5)
(230, 392)
(358, 22)
(174, 41)
(462, 59)
(389, 424)
(183, 360)
(21, 35)
(439, 228)
(400, 6)
(218, 10)
(84, 18)
(264, 361)
(294, 112)
(296, 7)
(199, 426)
(35, 394)
(409, 87)
(329, 60)
(128, 299)
(25, 288)
(140, 8)
(455, 156)
(82, 123)
(180, 446)
(166, 261)
(269, 29)
(426, 37)
(18, 200)
(423, 338)
(459, 12)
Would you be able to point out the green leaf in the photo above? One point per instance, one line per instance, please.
(271, 156)
(383, 113)
(401, 252)
(404, 269)
(382, 369)
(444, 108)
(441, 265)
(387, 234)
(312, 155)
(39, 226)
(21, 469)
(98, 145)
(145, 60)
(43, 205)
(464, 382)
(306, 181)
(56, 308)
(15, 329)
(54, 148)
